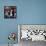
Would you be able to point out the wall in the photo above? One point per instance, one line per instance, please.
(6, 25)
(28, 12)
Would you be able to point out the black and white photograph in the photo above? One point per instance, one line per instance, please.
(9, 11)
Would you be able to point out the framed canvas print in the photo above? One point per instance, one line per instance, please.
(32, 32)
(9, 11)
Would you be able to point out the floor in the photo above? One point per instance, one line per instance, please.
(7, 45)
(30, 43)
